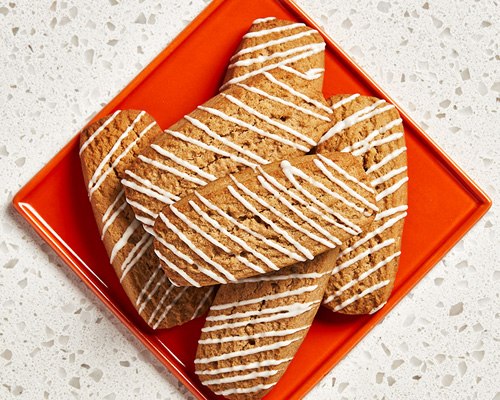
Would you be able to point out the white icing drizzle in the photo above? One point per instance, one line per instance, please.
(364, 143)
(363, 254)
(361, 277)
(332, 240)
(239, 378)
(338, 182)
(224, 141)
(253, 389)
(112, 206)
(379, 142)
(300, 308)
(268, 277)
(98, 131)
(296, 93)
(257, 235)
(275, 227)
(389, 175)
(112, 218)
(262, 20)
(386, 160)
(278, 54)
(118, 159)
(269, 43)
(148, 188)
(283, 217)
(141, 247)
(389, 223)
(344, 173)
(198, 230)
(235, 239)
(169, 307)
(305, 203)
(269, 67)
(390, 211)
(391, 189)
(277, 29)
(244, 367)
(291, 171)
(140, 207)
(148, 298)
(364, 293)
(184, 163)
(123, 239)
(176, 269)
(147, 285)
(252, 128)
(345, 101)
(172, 170)
(242, 353)
(373, 311)
(203, 302)
(310, 75)
(268, 120)
(282, 101)
(270, 297)
(211, 148)
(284, 332)
(356, 118)
(198, 251)
(158, 307)
(92, 184)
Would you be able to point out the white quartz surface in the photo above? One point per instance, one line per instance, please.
(61, 61)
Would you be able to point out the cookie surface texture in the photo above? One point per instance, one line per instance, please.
(256, 222)
(366, 268)
(254, 328)
(279, 45)
(106, 149)
(258, 122)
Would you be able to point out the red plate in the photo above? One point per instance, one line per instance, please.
(443, 202)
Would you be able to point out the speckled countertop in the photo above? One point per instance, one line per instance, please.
(60, 61)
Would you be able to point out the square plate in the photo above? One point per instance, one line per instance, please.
(443, 202)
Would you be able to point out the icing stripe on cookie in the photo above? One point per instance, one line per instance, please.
(98, 131)
(277, 29)
(269, 67)
(364, 293)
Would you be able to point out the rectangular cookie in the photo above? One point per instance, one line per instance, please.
(254, 328)
(255, 222)
(107, 147)
(371, 129)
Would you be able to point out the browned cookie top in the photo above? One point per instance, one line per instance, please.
(288, 46)
(258, 122)
(107, 147)
(254, 328)
(371, 129)
(256, 222)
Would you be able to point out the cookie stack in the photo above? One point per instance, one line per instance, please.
(259, 206)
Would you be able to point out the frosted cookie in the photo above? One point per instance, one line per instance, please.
(366, 268)
(106, 149)
(255, 123)
(254, 328)
(272, 44)
(255, 222)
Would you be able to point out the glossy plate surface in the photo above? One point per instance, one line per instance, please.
(443, 202)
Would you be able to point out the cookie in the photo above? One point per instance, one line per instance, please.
(372, 129)
(273, 44)
(254, 328)
(256, 222)
(260, 121)
(106, 149)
